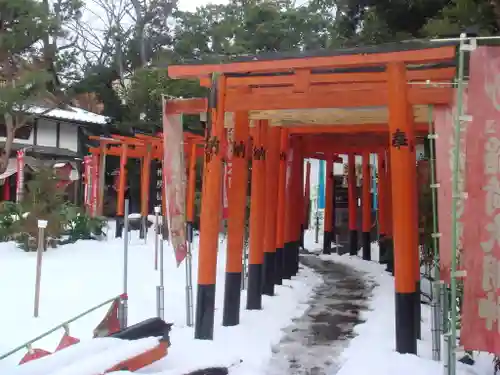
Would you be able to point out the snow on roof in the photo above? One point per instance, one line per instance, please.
(70, 114)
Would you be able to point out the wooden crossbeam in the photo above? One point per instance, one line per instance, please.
(420, 56)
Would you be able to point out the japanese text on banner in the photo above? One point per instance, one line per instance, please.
(480, 310)
(174, 179)
(488, 307)
(444, 124)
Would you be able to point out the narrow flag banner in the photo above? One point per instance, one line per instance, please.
(228, 170)
(480, 323)
(444, 126)
(20, 176)
(175, 184)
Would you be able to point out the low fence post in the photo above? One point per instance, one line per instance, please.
(123, 310)
(42, 224)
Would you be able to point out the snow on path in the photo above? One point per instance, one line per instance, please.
(78, 276)
(312, 344)
(372, 351)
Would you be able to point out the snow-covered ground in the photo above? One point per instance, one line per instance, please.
(372, 351)
(76, 277)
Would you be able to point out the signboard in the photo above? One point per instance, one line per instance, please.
(155, 185)
(481, 256)
(445, 143)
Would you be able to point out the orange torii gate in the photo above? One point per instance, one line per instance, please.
(146, 148)
(369, 100)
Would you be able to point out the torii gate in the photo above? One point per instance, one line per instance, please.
(144, 147)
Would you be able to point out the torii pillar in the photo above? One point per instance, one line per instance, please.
(404, 216)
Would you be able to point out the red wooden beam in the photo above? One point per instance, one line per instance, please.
(421, 75)
(420, 56)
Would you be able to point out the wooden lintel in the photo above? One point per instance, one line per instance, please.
(417, 95)
(349, 128)
(340, 99)
(419, 56)
(140, 153)
(421, 75)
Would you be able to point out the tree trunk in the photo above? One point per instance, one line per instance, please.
(496, 9)
(9, 141)
(139, 32)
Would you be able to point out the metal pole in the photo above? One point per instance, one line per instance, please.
(316, 232)
(189, 277)
(157, 230)
(42, 224)
(189, 287)
(444, 307)
(437, 322)
(160, 292)
(124, 301)
(446, 359)
(456, 195)
(435, 318)
(59, 326)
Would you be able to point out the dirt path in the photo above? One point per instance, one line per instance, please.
(313, 343)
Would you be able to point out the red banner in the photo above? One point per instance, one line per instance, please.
(94, 170)
(481, 302)
(175, 184)
(86, 180)
(20, 176)
(444, 128)
(228, 170)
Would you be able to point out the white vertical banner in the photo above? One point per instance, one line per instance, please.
(173, 178)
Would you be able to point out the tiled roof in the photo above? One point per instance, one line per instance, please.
(70, 114)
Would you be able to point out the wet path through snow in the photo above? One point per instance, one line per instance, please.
(313, 343)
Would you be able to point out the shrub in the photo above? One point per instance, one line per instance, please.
(81, 226)
(10, 213)
(44, 200)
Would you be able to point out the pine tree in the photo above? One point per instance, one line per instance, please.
(43, 200)
(23, 75)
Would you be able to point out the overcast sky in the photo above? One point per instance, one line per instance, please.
(192, 4)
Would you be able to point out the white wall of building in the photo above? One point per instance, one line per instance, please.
(68, 136)
(46, 135)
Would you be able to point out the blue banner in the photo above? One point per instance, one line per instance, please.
(374, 182)
(321, 185)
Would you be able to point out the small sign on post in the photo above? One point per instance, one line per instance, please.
(42, 224)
